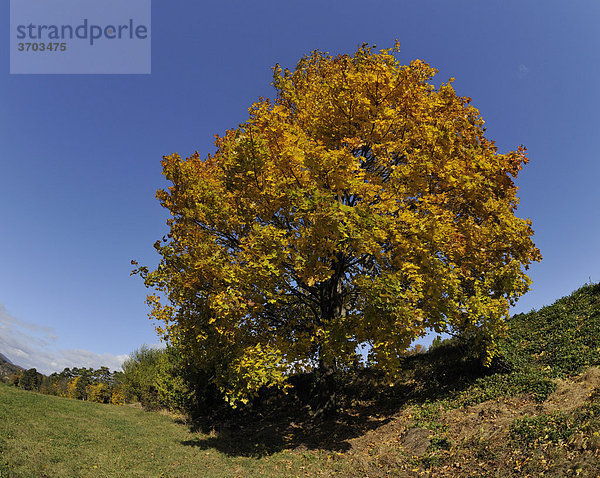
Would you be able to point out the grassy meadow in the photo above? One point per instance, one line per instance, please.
(47, 436)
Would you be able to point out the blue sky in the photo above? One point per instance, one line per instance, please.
(80, 154)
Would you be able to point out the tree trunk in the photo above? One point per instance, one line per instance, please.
(326, 404)
(332, 307)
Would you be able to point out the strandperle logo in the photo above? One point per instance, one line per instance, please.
(80, 36)
(84, 31)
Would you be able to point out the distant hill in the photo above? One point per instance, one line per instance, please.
(5, 358)
(7, 368)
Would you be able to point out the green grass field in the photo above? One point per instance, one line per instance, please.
(46, 436)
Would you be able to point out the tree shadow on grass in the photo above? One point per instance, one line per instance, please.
(279, 422)
(265, 434)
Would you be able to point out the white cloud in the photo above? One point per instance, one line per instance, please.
(33, 346)
(523, 71)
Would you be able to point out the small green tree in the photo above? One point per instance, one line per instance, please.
(31, 380)
(139, 373)
(171, 385)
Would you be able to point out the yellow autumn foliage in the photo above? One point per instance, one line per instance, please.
(362, 205)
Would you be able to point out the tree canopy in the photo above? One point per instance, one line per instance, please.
(362, 205)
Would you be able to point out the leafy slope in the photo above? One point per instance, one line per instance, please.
(564, 337)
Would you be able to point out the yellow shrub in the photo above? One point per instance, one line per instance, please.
(98, 392)
(118, 396)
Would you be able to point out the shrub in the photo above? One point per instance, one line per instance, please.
(118, 396)
(98, 392)
(552, 428)
(172, 388)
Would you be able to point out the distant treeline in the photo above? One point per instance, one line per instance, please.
(147, 377)
(100, 385)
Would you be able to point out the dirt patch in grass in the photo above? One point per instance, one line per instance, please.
(573, 393)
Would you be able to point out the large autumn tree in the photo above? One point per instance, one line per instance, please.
(362, 205)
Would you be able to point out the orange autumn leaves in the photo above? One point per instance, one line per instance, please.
(361, 205)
